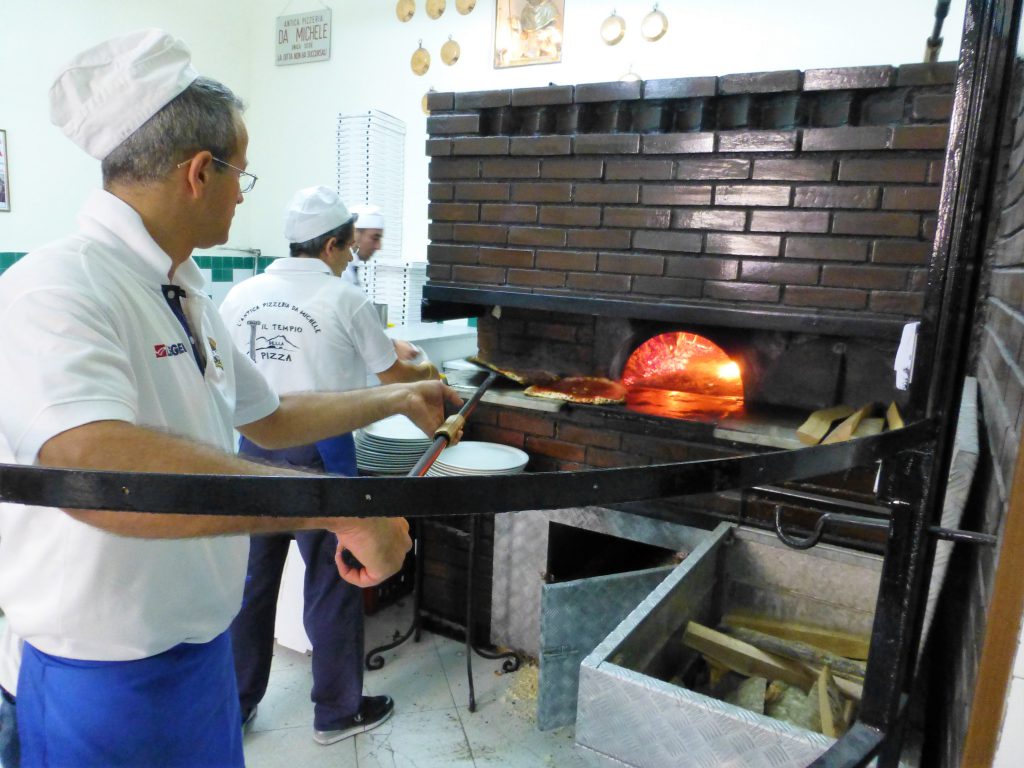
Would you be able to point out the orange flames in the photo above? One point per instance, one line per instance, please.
(683, 375)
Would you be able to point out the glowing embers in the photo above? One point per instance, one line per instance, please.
(683, 375)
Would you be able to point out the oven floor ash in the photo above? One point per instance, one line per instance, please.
(432, 726)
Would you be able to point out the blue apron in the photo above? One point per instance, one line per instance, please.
(178, 709)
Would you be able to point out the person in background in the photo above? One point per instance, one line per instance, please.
(309, 331)
(114, 358)
(369, 238)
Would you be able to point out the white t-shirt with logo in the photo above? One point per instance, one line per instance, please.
(307, 329)
(88, 336)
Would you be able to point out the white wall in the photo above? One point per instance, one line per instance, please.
(293, 110)
(48, 174)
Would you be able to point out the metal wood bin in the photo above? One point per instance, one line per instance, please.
(629, 715)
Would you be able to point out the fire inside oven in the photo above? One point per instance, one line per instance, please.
(684, 376)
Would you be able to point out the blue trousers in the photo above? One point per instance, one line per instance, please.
(332, 608)
(178, 709)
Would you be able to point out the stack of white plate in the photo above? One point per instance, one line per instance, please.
(391, 446)
(475, 458)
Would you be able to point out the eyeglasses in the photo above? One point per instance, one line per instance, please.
(246, 180)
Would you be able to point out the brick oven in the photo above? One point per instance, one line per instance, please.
(785, 217)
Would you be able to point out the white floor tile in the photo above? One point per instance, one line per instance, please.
(503, 733)
(416, 740)
(413, 676)
(294, 747)
(489, 682)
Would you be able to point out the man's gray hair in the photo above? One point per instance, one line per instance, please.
(203, 116)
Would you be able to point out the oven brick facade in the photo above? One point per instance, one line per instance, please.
(793, 191)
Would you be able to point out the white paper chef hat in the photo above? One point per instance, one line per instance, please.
(370, 217)
(107, 92)
(312, 212)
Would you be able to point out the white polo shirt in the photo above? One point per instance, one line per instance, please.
(88, 336)
(311, 331)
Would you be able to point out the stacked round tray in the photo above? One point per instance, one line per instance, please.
(476, 458)
(391, 446)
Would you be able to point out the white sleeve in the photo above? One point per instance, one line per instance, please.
(375, 347)
(65, 367)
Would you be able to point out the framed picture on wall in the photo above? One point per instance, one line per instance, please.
(528, 32)
(5, 179)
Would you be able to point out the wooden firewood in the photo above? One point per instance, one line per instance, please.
(798, 651)
(869, 427)
(851, 690)
(818, 423)
(845, 430)
(831, 705)
(840, 643)
(893, 420)
(744, 658)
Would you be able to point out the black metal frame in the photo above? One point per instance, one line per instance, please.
(914, 484)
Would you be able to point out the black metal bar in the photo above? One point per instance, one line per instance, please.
(430, 496)
(818, 501)
(856, 748)
(806, 542)
(443, 302)
(934, 43)
(469, 612)
(964, 537)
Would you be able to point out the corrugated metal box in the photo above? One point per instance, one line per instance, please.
(629, 715)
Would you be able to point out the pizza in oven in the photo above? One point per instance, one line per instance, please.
(591, 390)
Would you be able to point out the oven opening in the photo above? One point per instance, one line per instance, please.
(684, 376)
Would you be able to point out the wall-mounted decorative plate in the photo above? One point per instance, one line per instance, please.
(405, 9)
(612, 29)
(465, 6)
(423, 104)
(435, 8)
(420, 61)
(654, 26)
(450, 52)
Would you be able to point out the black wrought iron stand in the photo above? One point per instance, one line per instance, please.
(447, 434)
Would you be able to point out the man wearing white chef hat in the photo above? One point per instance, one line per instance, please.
(368, 240)
(308, 331)
(115, 359)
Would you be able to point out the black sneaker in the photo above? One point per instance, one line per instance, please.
(247, 718)
(372, 712)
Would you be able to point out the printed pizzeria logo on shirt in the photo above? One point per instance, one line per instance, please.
(278, 347)
(170, 350)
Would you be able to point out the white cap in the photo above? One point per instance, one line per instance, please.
(370, 217)
(313, 211)
(107, 92)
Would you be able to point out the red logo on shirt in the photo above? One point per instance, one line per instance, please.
(169, 350)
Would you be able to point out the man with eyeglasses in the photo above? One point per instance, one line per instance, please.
(307, 330)
(115, 359)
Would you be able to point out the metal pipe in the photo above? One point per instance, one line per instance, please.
(934, 43)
